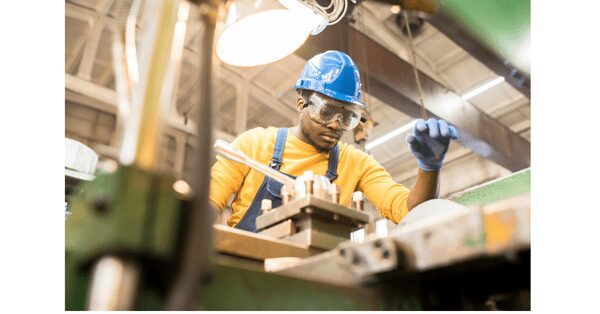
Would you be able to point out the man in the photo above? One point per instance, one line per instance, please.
(329, 104)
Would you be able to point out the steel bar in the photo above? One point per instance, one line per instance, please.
(391, 80)
(234, 154)
(114, 284)
(197, 240)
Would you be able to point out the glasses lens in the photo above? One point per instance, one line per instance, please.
(324, 112)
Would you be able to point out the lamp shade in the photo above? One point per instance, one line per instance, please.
(257, 32)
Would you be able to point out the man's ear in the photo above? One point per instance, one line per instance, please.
(300, 104)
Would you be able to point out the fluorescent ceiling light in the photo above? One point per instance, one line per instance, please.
(482, 88)
(388, 136)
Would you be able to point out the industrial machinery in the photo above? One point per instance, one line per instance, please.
(443, 255)
(139, 239)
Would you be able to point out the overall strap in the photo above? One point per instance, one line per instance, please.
(333, 163)
(276, 160)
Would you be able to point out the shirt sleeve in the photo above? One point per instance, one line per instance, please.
(377, 184)
(226, 176)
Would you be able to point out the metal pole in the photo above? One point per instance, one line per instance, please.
(197, 241)
(114, 284)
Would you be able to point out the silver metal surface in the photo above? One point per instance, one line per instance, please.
(280, 230)
(357, 200)
(321, 187)
(308, 181)
(234, 154)
(328, 267)
(266, 205)
(320, 207)
(334, 193)
(114, 284)
(285, 194)
(255, 246)
(365, 260)
(451, 236)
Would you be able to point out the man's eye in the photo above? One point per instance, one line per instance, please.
(325, 111)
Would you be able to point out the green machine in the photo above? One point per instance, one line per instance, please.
(138, 239)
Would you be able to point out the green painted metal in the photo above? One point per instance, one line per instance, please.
(503, 25)
(238, 288)
(254, 290)
(130, 212)
(515, 184)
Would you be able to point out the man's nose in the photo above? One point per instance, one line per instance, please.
(335, 123)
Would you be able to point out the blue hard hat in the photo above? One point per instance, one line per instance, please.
(334, 74)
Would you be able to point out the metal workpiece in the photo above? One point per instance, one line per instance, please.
(256, 246)
(280, 230)
(234, 154)
(426, 242)
(285, 194)
(375, 257)
(328, 268)
(357, 200)
(320, 208)
(381, 228)
(320, 234)
(308, 178)
(299, 188)
(114, 284)
(334, 193)
(266, 205)
(358, 236)
(315, 222)
(321, 186)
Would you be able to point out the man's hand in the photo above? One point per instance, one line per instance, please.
(429, 142)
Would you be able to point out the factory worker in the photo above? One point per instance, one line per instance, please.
(328, 105)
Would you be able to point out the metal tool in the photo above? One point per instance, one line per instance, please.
(308, 178)
(234, 154)
(317, 222)
(357, 199)
(266, 205)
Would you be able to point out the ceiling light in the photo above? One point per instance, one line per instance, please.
(388, 136)
(482, 88)
(257, 32)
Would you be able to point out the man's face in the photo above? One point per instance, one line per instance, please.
(322, 136)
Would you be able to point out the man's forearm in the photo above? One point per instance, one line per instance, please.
(426, 187)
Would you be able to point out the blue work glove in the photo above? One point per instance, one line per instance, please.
(429, 142)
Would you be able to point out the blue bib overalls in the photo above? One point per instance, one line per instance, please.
(271, 189)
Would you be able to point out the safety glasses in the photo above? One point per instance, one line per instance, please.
(325, 111)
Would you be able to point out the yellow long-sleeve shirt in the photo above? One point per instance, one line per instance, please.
(357, 171)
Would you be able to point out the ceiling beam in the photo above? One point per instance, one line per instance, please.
(449, 27)
(261, 94)
(391, 79)
(84, 87)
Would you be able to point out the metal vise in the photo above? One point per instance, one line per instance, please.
(313, 216)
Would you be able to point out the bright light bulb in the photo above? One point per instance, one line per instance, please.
(264, 37)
